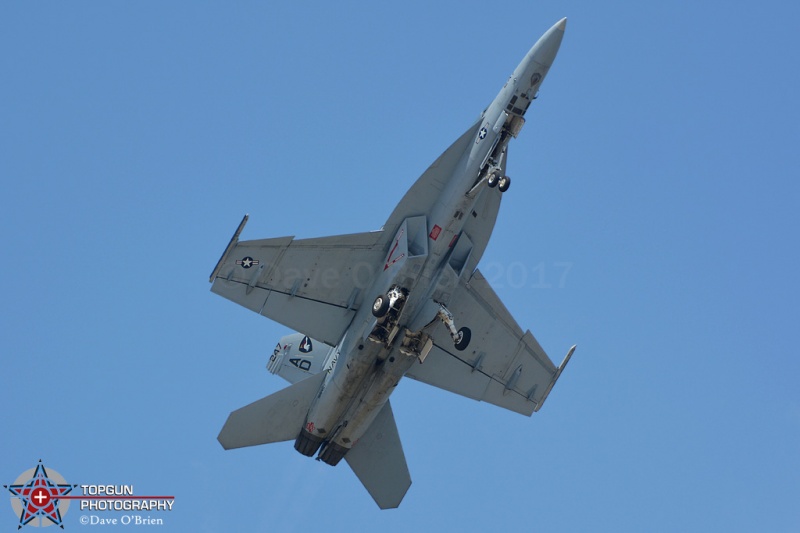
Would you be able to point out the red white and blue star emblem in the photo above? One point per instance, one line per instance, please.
(39, 496)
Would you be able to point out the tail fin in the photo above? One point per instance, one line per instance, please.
(379, 462)
(297, 356)
(276, 418)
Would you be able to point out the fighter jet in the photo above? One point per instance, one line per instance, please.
(407, 300)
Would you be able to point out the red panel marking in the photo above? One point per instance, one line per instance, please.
(396, 244)
(435, 232)
(309, 427)
(395, 260)
(452, 241)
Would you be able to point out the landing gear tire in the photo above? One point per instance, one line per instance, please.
(464, 336)
(492, 180)
(503, 184)
(381, 306)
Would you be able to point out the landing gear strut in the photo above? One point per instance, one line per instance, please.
(461, 337)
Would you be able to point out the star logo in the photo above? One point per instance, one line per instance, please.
(483, 133)
(247, 262)
(38, 496)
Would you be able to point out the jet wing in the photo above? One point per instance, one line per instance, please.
(502, 365)
(313, 286)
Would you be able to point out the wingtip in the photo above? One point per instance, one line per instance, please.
(562, 24)
(567, 357)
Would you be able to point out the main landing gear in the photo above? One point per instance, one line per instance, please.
(384, 302)
(461, 337)
(386, 309)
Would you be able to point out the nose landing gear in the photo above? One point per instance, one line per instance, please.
(503, 184)
(495, 179)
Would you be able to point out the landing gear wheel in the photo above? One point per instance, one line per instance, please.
(464, 336)
(492, 180)
(381, 306)
(503, 184)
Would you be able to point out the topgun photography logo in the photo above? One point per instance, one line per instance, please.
(41, 497)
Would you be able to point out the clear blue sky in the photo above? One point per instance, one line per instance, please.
(660, 164)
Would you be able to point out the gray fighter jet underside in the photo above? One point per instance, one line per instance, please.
(408, 300)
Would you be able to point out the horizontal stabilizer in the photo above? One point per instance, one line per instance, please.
(379, 462)
(276, 418)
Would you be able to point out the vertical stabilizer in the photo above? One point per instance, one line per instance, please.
(379, 462)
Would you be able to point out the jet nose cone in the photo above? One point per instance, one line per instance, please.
(546, 48)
